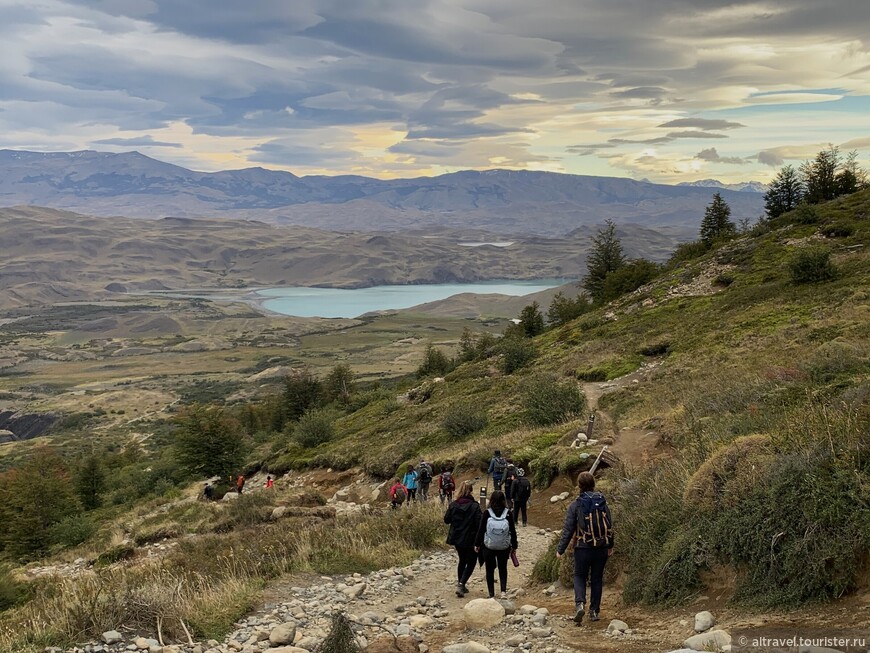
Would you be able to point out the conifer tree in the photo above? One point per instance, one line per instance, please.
(531, 320)
(717, 223)
(339, 383)
(784, 194)
(820, 176)
(209, 443)
(90, 483)
(605, 257)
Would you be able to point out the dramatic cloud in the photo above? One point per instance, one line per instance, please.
(701, 123)
(713, 156)
(391, 87)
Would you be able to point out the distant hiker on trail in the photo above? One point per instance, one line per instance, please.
(208, 492)
(589, 529)
(510, 474)
(463, 515)
(446, 485)
(521, 492)
(269, 484)
(410, 483)
(497, 539)
(424, 479)
(240, 484)
(398, 494)
(497, 468)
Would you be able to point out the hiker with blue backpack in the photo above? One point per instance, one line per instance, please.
(589, 530)
(496, 541)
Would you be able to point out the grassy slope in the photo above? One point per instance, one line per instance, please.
(750, 352)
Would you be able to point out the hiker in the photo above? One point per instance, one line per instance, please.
(208, 492)
(510, 475)
(463, 515)
(410, 483)
(589, 529)
(446, 485)
(424, 479)
(497, 539)
(240, 484)
(398, 494)
(269, 484)
(497, 467)
(521, 492)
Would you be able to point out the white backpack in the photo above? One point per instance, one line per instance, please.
(498, 532)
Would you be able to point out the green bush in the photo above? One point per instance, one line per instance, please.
(435, 363)
(687, 252)
(837, 230)
(548, 400)
(72, 531)
(516, 354)
(805, 214)
(546, 569)
(812, 265)
(464, 419)
(12, 592)
(592, 374)
(314, 428)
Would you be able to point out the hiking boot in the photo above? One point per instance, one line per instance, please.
(503, 596)
(463, 589)
(459, 593)
(578, 614)
(593, 615)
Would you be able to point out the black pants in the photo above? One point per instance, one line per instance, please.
(496, 482)
(424, 491)
(589, 562)
(492, 559)
(467, 562)
(412, 493)
(520, 506)
(507, 493)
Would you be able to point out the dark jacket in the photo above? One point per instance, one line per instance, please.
(572, 517)
(463, 515)
(481, 530)
(521, 490)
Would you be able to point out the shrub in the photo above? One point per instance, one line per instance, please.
(115, 554)
(314, 428)
(656, 349)
(805, 214)
(837, 230)
(341, 638)
(812, 265)
(302, 392)
(209, 442)
(464, 419)
(516, 354)
(435, 363)
(547, 400)
(592, 374)
(687, 252)
(12, 592)
(546, 569)
(72, 531)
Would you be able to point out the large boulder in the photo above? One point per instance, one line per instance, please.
(715, 640)
(482, 614)
(617, 626)
(704, 621)
(112, 637)
(466, 647)
(282, 634)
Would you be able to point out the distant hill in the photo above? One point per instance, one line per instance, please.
(741, 187)
(52, 256)
(498, 201)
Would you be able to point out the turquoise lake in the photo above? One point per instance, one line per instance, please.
(334, 302)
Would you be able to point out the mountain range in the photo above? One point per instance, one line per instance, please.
(498, 201)
(742, 186)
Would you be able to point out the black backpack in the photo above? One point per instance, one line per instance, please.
(424, 472)
(524, 488)
(593, 523)
(500, 466)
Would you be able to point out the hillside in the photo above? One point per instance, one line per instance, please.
(54, 256)
(732, 392)
(500, 201)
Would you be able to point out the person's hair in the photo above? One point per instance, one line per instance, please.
(498, 452)
(586, 482)
(497, 502)
(466, 489)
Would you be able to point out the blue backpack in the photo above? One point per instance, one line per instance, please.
(593, 523)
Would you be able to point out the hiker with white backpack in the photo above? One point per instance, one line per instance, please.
(496, 540)
(589, 530)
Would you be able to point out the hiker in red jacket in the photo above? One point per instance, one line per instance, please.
(398, 494)
(240, 484)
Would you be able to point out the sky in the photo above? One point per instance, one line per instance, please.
(665, 90)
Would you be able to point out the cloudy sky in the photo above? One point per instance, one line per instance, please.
(669, 90)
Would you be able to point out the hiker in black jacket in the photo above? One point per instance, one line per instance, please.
(589, 529)
(463, 515)
(521, 492)
(497, 539)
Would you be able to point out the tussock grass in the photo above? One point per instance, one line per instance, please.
(212, 580)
